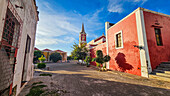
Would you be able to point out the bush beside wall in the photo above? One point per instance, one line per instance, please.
(41, 65)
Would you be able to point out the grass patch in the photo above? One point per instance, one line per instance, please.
(37, 83)
(36, 90)
(54, 93)
(45, 74)
(39, 86)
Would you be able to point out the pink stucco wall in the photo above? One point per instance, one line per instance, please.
(126, 59)
(157, 54)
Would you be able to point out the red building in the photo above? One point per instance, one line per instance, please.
(138, 43)
(36, 49)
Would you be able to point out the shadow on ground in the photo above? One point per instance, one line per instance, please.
(79, 80)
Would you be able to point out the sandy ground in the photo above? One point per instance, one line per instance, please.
(70, 79)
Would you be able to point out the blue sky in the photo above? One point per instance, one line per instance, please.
(61, 20)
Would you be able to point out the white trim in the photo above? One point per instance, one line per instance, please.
(146, 43)
(97, 45)
(125, 17)
(154, 12)
(107, 42)
(121, 40)
(139, 8)
(144, 53)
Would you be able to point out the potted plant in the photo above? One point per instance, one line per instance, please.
(88, 59)
(100, 59)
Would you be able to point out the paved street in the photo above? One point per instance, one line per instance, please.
(77, 80)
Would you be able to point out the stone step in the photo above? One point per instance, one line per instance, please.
(159, 77)
(163, 74)
(165, 62)
(164, 69)
(159, 71)
(164, 65)
(168, 72)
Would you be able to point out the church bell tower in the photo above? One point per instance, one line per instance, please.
(82, 36)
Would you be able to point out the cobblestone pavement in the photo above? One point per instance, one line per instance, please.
(77, 80)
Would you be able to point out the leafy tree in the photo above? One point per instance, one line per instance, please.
(41, 59)
(79, 52)
(55, 57)
(100, 59)
(75, 54)
(37, 54)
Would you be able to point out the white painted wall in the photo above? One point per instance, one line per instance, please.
(3, 7)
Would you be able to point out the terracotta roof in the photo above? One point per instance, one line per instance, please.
(46, 50)
(36, 49)
(99, 38)
(93, 44)
(59, 51)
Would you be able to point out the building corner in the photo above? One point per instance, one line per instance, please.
(144, 52)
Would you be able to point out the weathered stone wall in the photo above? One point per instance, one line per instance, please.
(6, 71)
(29, 17)
(29, 28)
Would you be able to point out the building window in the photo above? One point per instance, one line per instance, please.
(119, 40)
(10, 34)
(158, 37)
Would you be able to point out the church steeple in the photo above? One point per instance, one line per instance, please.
(82, 36)
(103, 34)
(82, 29)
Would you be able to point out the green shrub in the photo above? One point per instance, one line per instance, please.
(55, 57)
(99, 53)
(35, 83)
(107, 58)
(98, 65)
(93, 59)
(36, 90)
(45, 75)
(100, 59)
(69, 58)
(88, 60)
(41, 65)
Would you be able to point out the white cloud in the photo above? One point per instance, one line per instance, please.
(118, 5)
(115, 8)
(139, 1)
(58, 29)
